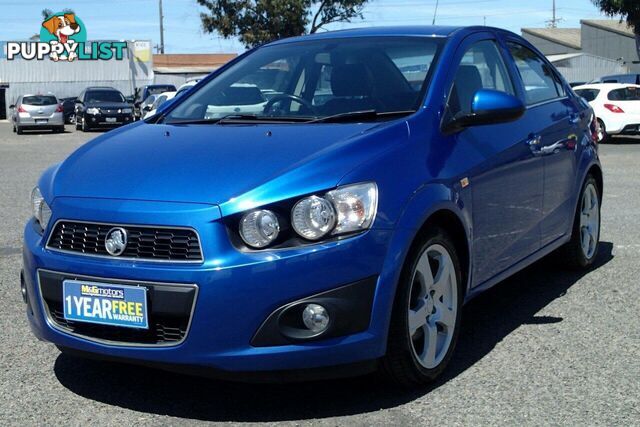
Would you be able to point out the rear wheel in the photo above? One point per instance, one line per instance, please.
(18, 130)
(581, 250)
(426, 315)
(603, 137)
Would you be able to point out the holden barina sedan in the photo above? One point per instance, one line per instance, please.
(392, 175)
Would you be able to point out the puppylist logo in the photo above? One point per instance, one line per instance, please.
(63, 37)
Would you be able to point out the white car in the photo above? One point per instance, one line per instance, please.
(617, 107)
(161, 99)
(239, 98)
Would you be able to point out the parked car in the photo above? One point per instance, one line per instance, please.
(142, 93)
(185, 87)
(159, 102)
(317, 240)
(37, 112)
(243, 97)
(147, 104)
(619, 78)
(68, 109)
(101, 108)
(617, 107)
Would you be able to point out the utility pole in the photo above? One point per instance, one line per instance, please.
(553, 23)
(435, 12)
(161, 28)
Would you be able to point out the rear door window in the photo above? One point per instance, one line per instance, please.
(40, 100)
(624, 94)
(588, 94)
(540, 82)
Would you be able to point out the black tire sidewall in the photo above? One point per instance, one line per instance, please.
(583, 261)
(399, 344)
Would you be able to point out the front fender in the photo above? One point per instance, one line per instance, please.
(424, 203)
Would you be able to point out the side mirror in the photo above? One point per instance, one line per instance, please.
(147, 107)
(12, 106)
(77, 101)
(488, 107)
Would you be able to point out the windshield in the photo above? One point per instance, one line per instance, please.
(103, 96)
(40, 100)
(317, 79)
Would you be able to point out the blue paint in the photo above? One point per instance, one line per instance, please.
(518, 205)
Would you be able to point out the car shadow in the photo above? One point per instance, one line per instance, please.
(487, 320)
(625, 140)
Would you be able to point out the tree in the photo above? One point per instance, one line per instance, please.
(259, 21)
(46, 14)
(628, 10)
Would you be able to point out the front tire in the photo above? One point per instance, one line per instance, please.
(581, 251)
(85, 126)
(426, 316)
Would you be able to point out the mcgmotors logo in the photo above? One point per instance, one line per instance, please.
(63, 37)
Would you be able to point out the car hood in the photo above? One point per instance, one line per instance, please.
(233, 166)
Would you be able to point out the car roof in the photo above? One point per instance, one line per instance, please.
(39, 94)
(413, 30)
(605, 86)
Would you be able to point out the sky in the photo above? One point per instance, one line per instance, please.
(138, 19)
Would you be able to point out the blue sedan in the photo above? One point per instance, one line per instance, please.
(322, 205)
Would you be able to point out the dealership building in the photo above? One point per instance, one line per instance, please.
(598, 48)
(137, 68)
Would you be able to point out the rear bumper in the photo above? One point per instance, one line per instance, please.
(55, 120)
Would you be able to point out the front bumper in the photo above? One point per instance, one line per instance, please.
(108, 120)
(237, 291)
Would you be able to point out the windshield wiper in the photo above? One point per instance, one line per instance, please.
(239, 119)
(363, 114)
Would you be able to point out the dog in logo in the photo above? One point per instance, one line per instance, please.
(62, 27)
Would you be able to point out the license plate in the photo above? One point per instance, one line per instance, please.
(105, 304)
(40, 121)
(111, 120)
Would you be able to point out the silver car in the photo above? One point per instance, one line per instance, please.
(34, 112)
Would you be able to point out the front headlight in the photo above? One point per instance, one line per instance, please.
(313, 217)
(93, 111)
(259, 228)
(127, 111)
(40, 209)
(356, 206)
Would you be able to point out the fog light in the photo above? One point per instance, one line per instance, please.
(315, 318)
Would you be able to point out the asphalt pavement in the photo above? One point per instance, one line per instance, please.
(546, 347)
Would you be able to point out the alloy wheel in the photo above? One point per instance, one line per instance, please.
(433, 306)
(589, 221)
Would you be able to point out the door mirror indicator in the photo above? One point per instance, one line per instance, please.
(488, 107)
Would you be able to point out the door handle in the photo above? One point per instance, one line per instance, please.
(574, 119)
(550, 149)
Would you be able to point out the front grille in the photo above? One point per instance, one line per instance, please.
(169, 312)
(144, 243)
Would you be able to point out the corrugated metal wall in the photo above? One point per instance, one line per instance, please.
(585, 68)
(609, 44)
(67, 79)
